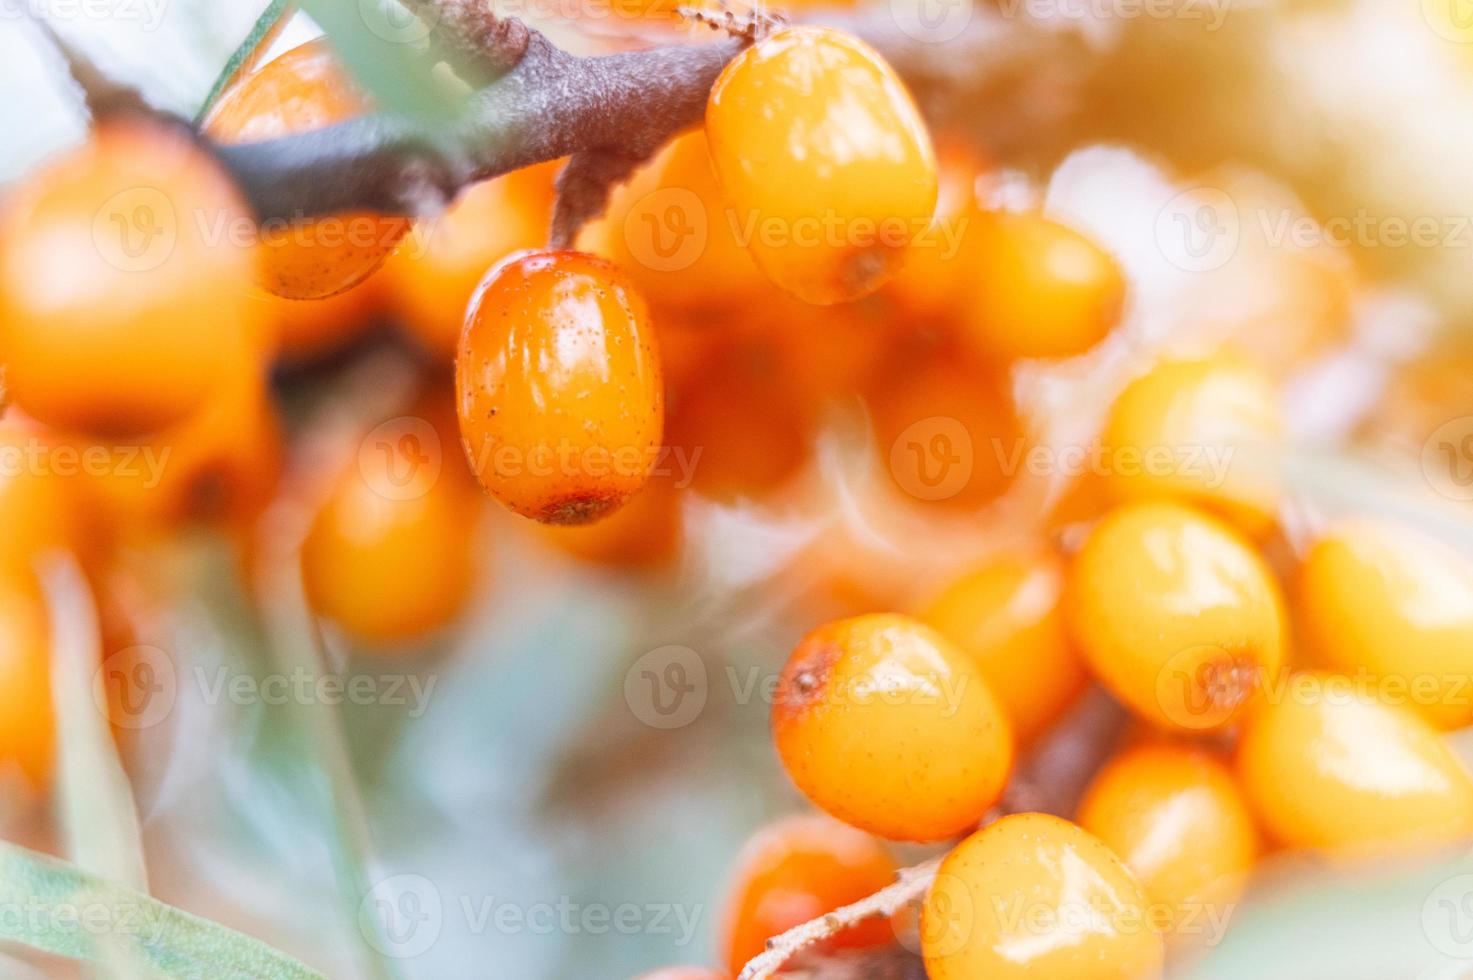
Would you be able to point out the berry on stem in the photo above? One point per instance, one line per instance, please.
(885, 724)
(559, 388)
(824, 160)
(1176, 614)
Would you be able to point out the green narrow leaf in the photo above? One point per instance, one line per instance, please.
(263, 27)
(61, 909)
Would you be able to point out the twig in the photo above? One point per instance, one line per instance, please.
(103, 95)
(887, 901)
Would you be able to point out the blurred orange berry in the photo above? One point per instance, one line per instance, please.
(1176, 614)
(308, 329)
(824, 159)
(44, 505)
(798, 869)
(644, 533)
(118, 313)
(1176, 817)
(1330, 766)
(885, 724)
(1033, 895)
(431, 279)
(299, 91)
(27, 720)
(560, 394)
(1007, 614)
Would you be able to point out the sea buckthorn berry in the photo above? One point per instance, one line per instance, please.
(885, 724)
(1036, 288)
(644, 533)
(799, 869)
(1176, 614)
(1008, 615)
(1176, 817)
(1033, 895)
(299, 91)
(1378, 597)
(118, 314)
(307, 330)
(1206, 431)
(431, 279)
(560, 394)
(1329, 766)
(824, 160)
(27, 723)
(42, 509)
(389, 556)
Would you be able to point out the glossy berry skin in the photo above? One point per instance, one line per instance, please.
(301, 90)
(1176, 614)
(885, 724)
(118, 313)
(27, 720)
(1328, 766)
(1176, 817)
(387, 560)
(1033, 895)
(1182, 411)
(559, 389)
(824, 161)
(431, 279)
(1377, 597)
(1008, 615)
(798, 869)
(1036, 288)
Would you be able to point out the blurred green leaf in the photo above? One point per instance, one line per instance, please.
(263, 27)
(62, 909)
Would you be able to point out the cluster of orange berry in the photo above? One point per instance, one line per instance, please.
(132, 321)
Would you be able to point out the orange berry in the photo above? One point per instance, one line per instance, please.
(432, 278)
(1177, 819)
(301, 90)
(644, 533)
(308, 329)
(1035, 896)
(885, 724)
(1330, 767)
(1206, 431)
(27, 721)
(824, 160)
(1036, 288)
(1007, 614)
(558, 382)
(946, 430)
(1176, 614)
(1379, 597)
(389, 557)
(118, 315)
(43, 508)
(799, 869)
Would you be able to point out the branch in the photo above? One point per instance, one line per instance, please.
(102, 94)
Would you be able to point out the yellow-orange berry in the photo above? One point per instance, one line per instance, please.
(1176, 817)
(1176, 614)
(431, 279)
(798, 869)
(299, 91)
(1327, 765)
(1205, 431)
(1379, 598)
(118, 313)
(1036, 288)
(644, 533)
(559, 389)
(884, 723)
(43, 508)
(1008, 615)
(27, 721)
(1033, 895)
(389, 556)
(824, 160)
